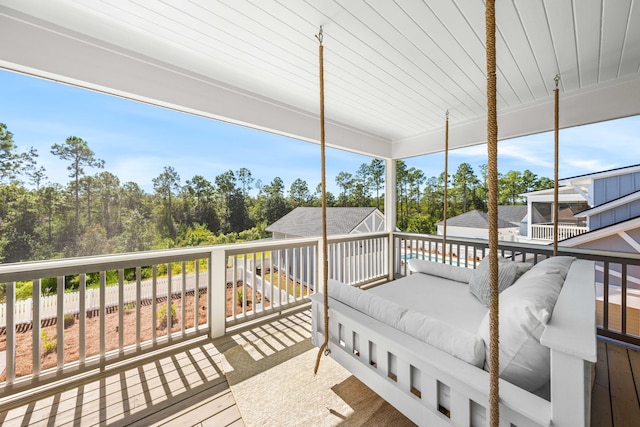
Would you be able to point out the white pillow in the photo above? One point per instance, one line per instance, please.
(560, 264)
(480, 285)
(370, 304)
(521, 268)
(459, 274)
(457, 342)
(525, 309)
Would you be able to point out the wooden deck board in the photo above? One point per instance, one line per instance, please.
(634, 359)
(601, 407)
(183, 387)
(186, 387)
(129, 389)
(602, 366)
(624, 400)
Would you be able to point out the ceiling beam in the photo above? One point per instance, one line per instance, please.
(596, 104)
(44, 50)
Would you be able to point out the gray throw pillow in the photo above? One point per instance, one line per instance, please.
(480, 285)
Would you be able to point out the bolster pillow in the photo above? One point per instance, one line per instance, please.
(457, 342)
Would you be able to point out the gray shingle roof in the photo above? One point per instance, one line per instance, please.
(512, 213)
(475, 219)
(307, 222)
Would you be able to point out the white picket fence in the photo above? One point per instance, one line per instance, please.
(23, 310)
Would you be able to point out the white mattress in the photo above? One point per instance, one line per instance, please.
(436, 297)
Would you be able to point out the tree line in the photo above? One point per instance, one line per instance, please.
(95, 213)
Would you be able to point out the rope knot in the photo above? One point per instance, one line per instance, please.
(319, 35)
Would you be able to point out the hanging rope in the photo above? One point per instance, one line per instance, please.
(446, 182)
(556, 208)
(492, 151)
(325, 266)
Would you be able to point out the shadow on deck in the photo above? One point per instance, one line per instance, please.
(263, 375)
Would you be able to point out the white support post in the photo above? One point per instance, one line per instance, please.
(183, 299)
(570, 376)
(82, 319)
(390, 213)
(138, 304)
(529, 219)
(218, 292)
(10, 330)
(103, 316)
(121, 311)
(37, 341)
(60, 322)
(319, 267)
(154, 299)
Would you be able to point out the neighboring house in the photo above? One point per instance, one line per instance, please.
(609, 220)
(474, 224)
(307, 222)
(538, 223)
(587, 203)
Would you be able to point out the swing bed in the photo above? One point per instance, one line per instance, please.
(419, 342)
(434, 345)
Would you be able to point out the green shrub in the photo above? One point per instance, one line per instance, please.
(48, 344)
(162, 315)
(69, 320)
(239, 297)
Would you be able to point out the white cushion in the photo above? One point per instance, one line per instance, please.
(559, 264)
(379, 308)
(480, 285)
(525, 309)
(459, 274)
(455, 341)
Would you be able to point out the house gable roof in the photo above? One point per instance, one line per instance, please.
(601, 174)
(307, 221)
(476, 219)
(601, 233)
(512, 213)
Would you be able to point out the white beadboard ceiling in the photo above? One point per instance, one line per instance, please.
(392, 68)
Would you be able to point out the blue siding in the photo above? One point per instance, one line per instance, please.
(614, 216)
(607, 189)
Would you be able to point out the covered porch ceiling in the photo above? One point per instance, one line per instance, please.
(392, 68)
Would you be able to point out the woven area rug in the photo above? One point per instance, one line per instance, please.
(270, 371)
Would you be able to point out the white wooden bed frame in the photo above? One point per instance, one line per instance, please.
(393, 363)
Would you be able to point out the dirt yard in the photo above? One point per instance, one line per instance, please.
(24, 365)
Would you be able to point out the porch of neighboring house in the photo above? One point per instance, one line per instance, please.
(263, 375)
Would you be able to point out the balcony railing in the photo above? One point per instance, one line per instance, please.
(111, 308)
(565, 231)
(617, 274)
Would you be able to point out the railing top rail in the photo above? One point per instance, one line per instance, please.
(272, 245)
(356, 236)
(590, 254)
(66, 266)
(266, 245)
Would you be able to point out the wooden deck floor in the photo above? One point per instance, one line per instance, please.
(184, 388)
(187, 387)
(616, 399)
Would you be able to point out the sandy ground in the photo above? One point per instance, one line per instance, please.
(24, 365)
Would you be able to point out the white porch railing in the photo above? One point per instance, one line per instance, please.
(565, 231)
(24, 310)
(236, 283)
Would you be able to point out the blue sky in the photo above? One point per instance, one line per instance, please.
(137, 141)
